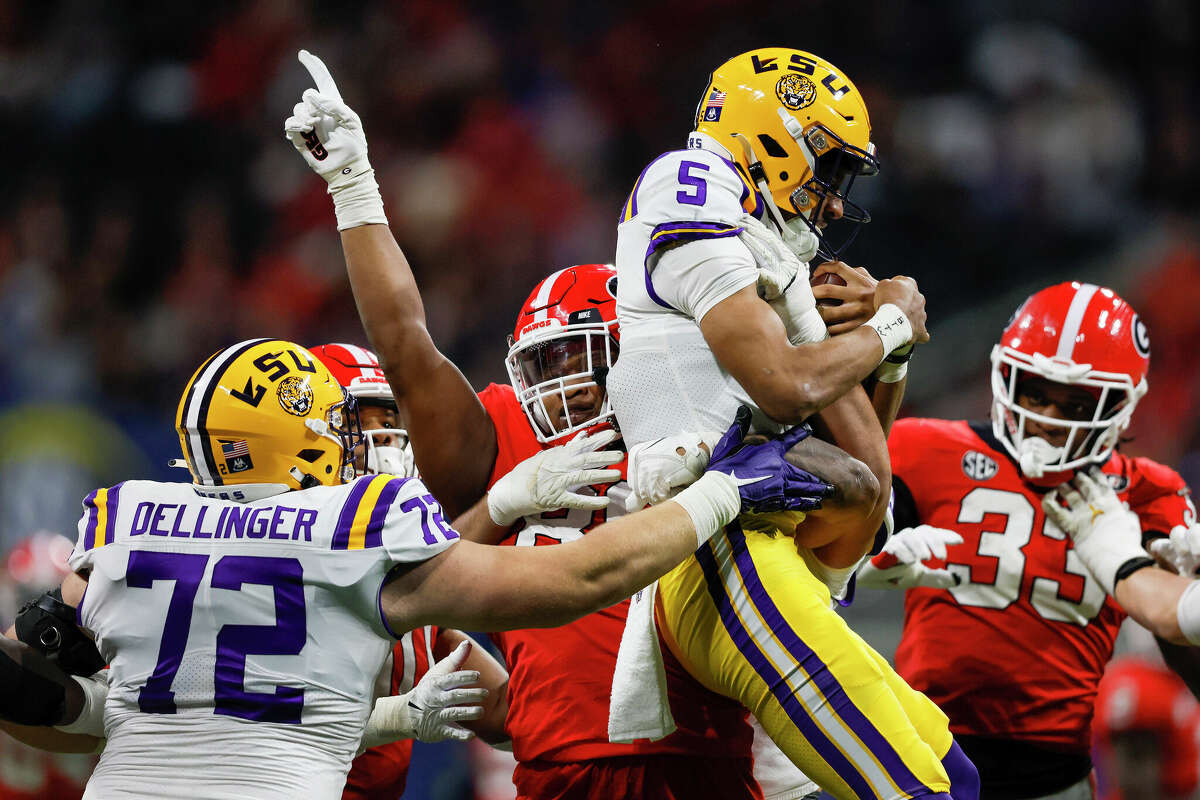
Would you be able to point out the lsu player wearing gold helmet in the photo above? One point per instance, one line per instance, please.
(254, 607)
(707, 234)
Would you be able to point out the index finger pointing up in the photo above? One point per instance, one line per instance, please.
(320, 73)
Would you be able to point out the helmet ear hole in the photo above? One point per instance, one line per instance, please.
(328, 469)
(773, 148)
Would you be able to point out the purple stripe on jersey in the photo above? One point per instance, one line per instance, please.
(839, 702)
(89, 533)
(632, 203)
(679, 232)
(374, 534)
(774, 681)
(110, 522)
(341, 532)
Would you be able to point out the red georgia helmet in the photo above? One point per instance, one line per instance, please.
(357, 369)
(565, 341)
(1078, 334)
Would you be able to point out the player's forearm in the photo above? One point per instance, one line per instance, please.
(452, 436)
(475, 524)
(823, 372)
(50, 739)
(886, 399)
(1151, 597)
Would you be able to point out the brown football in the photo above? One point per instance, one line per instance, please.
(828, 277)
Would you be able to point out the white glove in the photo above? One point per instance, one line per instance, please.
(432, 710)
(900, 565)
(330, 137)
(778, 266)
(1105, 533)
(783, 282)
(1181, 550)
(656, 468)
(91, 718)
(544, 482)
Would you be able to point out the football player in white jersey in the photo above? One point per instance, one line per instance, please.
(708, 232)
(245, 616)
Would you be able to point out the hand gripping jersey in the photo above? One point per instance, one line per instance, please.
(244, 639)
(560, 678)
(678, 255)
(1015, 652)
(382, 772)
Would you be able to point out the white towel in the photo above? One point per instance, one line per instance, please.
(639, 707)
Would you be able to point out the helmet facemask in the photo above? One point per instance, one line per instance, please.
(1089, 441)
(833, 166)
(341, 425)
(395, 458)
(555, 365)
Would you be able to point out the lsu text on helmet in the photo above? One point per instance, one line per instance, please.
(1077, 334)
(357, 370)
(563, 345)
(800, 129)
(265, 416)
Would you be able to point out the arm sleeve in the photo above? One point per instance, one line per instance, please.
(1162, 500)
(696, 276)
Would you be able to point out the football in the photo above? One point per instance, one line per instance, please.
(828, 277)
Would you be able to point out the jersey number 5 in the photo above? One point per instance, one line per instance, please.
(234, 642)
(1007, 548)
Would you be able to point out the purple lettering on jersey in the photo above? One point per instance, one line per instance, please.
(199, 532)
(236, 524)
(141, 518)
(285, 638)
(697, 182)
(276, 519)
(257, 527)
(160, 514)
(414, 504)
(305, 519)
(177, 528)
(186, 570)
(439, 521)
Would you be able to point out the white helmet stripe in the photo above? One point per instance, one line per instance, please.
(197, 437)
(361, 356)
(543, 295)
(1070, 330)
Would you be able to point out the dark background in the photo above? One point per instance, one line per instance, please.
(152, 211)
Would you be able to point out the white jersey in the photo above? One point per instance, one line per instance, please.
(678, 255)
(243, 639)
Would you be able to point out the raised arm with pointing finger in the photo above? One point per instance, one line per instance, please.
(437, 405)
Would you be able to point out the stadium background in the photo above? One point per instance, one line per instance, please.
(152, 211)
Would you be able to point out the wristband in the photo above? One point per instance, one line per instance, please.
(91, 718)
(893, 328)
(712, 502)
(1131, 566)
(895, 364)
(356, 198)
(1187, 613)
(390, 721)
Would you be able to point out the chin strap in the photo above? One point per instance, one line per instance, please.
(797, 234)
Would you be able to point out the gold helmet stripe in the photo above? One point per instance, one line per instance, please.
(195, 412)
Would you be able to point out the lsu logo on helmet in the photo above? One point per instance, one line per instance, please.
(295, 396)
(795, 91)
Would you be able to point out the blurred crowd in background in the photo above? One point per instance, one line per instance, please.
(153, 211)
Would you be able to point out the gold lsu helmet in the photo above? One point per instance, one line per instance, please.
(800, 129)
(267, 412)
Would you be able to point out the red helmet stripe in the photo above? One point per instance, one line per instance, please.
(1074, 320)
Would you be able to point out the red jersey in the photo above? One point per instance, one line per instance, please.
(381, 772)
(1016, 651)
(30, 774)
(560, 679)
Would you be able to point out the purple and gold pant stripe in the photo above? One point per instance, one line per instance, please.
(360, 524)
(101, 506)
(797, 677)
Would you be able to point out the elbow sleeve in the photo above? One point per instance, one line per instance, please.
(1187, 613)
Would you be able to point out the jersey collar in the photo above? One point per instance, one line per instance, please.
(698, 140)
